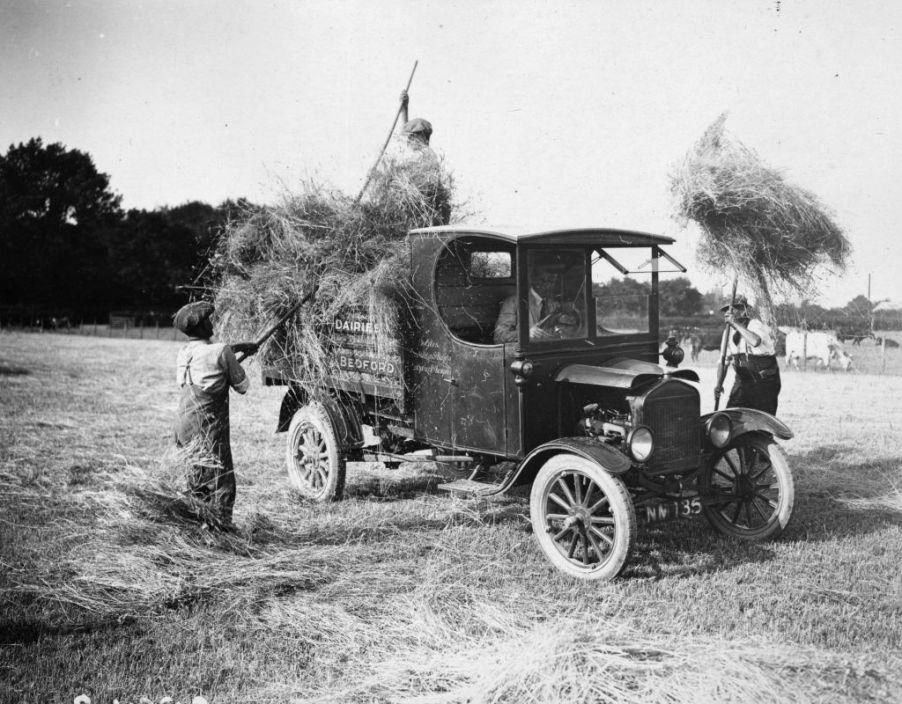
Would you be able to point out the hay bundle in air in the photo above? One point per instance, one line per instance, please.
(346, 253)
(771, 234)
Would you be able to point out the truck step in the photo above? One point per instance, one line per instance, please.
(469, 486)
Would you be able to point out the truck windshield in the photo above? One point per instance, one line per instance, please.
(621, 287)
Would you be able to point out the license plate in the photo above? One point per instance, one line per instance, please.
(668, 510)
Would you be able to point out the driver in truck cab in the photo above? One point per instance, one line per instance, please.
(551, 314)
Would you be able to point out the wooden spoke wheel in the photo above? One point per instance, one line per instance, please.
(747, 488)
(582, 517)
(316, 465)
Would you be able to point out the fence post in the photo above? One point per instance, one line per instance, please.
(883, 355)
(804, 350)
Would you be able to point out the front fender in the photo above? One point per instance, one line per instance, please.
(609, 459)
(747, 420)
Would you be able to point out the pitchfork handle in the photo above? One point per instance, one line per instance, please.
(369, 175)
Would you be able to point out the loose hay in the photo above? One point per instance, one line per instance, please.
(772, 234)
(518, 657)
(147, 554)
(348, 255)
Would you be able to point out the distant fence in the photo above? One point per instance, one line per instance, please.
(880, 354)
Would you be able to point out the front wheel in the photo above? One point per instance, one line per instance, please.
(316, 466)
(582, 517)
(747, 489)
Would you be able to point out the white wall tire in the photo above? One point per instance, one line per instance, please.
(582, 517)
(316, 465)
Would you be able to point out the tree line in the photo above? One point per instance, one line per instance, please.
(67, 247)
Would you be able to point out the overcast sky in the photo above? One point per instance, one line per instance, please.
(549, 113)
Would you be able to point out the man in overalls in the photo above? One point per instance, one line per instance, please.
(752, 348)
(205, 371)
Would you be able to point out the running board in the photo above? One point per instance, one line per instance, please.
(478, 488)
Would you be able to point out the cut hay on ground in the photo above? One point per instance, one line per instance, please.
(320, 242)
(441, 640)
(148, 553)
(772, 234)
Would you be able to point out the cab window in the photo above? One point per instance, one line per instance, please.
(472, 278)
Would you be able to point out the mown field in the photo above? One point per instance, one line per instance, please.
(402, 593)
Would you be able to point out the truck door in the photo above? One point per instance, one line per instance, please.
(479, 410)
(459, 370)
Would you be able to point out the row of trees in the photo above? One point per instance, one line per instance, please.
(68, 247)
(683, 305)
(678, 297)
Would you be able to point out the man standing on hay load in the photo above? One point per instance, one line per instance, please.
(420, 164)
(752, 349)
(205, 371)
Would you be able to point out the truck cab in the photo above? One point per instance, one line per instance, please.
(505, 394)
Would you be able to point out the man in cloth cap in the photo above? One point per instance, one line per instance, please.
(414, 159)
(205, 371)
(752, 349)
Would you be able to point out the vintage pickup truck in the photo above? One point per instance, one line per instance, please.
(576, 402)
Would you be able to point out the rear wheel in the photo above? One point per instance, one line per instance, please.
(582, 517)
(316, 466)
(747, 489)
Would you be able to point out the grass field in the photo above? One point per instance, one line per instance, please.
(402, 593)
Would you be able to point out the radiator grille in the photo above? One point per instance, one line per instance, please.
(671, 410)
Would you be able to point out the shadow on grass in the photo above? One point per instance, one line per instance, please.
(689, 547)
(410, 480)
(838, 498)
(834, 499)
(388, 488)
(23, 629)
(7, 369)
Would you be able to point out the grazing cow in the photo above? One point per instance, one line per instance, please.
(692, 344)
(820, 346)
(855, 334)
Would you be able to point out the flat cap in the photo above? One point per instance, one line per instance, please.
(189, 318)
(418, 126)
(740, 302)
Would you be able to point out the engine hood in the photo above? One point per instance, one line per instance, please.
(627, 374)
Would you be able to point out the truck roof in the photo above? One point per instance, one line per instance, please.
(600, 236)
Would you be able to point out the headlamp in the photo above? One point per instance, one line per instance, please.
(720, 430)
(640, 443)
